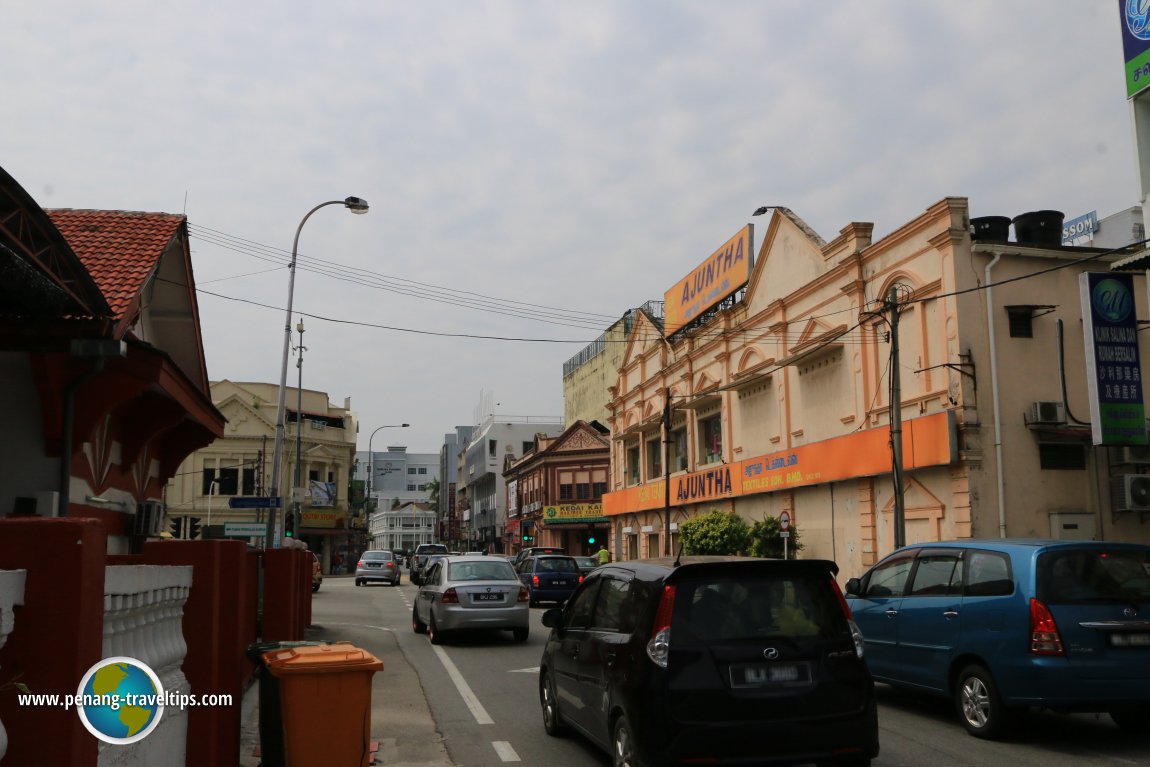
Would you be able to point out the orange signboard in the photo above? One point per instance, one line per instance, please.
(724, 272)
(927, 441)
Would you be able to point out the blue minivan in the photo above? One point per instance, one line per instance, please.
(1002, 625)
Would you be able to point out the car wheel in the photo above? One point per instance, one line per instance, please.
(433, 632)
(358, 582)
(979, 706)
(622, 745)
(521, 634)
(532, 601)
(552, 720)
(418, 626)
(314, 587)
(1132, 720)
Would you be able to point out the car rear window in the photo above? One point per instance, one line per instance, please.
(496, 570)
(377, 555)
(557, 565)
(431, 548)
(1094, 575)
(756, 607)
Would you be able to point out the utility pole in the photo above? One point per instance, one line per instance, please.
(896, 421)
(296, 490)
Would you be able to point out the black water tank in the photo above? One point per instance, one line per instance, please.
(1039, 227)
(992, 228)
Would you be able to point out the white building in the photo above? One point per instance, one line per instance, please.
(402, 528)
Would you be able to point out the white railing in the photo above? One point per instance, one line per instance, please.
(11, 595)
(143, 619)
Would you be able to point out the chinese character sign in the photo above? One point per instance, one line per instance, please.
(1113, 368)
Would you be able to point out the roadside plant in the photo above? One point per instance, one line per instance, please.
(715, 532)
(765, 540)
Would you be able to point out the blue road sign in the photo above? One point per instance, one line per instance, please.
(254, 502)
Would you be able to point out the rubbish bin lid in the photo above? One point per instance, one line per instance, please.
(335, 658)
(257, 650)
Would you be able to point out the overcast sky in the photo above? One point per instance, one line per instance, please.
(534, 169)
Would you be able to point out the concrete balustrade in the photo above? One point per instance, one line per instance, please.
(143, 619)
(11, 595)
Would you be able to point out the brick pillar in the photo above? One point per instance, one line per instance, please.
(58, 636)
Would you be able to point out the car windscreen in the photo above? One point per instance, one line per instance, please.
(384, 555)
(723, 608)
(556, 565)
(1097, 574)
(494, 570)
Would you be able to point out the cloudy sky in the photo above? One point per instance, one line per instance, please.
(535, 168)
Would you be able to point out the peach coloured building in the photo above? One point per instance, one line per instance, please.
(780, 395)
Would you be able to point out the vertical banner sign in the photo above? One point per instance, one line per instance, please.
(1113, 369)
(1135, 44)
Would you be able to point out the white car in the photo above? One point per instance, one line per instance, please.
(471, 593)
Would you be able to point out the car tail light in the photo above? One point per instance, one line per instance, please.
(359, 563)
(450, 597)
(534, 580)
(524, 594)
(391, 565)
(856, 633)
(580, 578)
(1044, 638)
(660, 643)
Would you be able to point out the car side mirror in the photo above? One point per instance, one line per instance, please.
(553, 617)
(854, 587)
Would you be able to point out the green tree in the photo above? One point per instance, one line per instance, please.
(433, 492)
(765, 540)
(716, 532)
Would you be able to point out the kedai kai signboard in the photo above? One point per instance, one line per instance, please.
(1135, 16)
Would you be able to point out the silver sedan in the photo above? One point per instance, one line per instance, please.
(471, 593)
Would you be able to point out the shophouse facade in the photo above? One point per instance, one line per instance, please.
(555, 491)
(779, 396)
(236, 469)
(404, 527)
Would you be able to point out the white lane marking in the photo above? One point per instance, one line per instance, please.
(477, 710)
(534, 670)
(505, 751)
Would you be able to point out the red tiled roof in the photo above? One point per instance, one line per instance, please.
(119, 248)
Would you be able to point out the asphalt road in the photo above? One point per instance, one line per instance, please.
(474, 700)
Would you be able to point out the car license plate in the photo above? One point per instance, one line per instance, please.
(487, 597)
(770, 674)
(1130, 639)
(558, 583)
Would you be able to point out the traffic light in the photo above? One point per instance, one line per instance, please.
(528, 538)
(289, 525)
(591, 539)
(193, 528)
(177, 527)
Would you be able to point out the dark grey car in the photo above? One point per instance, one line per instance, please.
(711, 661)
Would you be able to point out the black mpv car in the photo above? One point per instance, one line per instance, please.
(716, 660)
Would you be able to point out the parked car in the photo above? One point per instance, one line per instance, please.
(470, 593)
(378, 566)
(719, 660)
(1004, 625)
(316, 573)
(419, 559)
(586, 564)
(533, 551)
(549, 577)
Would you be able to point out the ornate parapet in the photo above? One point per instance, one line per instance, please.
(143, 619)
(11, 595)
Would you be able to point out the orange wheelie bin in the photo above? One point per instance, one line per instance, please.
(325, 695)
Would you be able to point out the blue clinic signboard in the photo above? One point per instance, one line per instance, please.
(1135, 44)
(1113, 369)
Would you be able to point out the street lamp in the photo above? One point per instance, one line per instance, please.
(211, 491)
(355, 205)
(298, 430)
(371, 460)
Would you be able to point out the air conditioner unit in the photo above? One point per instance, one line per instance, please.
(1131, 492)
(1047, 413)
(149, 519)
(1136, 454)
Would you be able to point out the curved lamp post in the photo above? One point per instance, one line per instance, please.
(355, 205)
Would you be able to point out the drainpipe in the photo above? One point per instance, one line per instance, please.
(994, 397)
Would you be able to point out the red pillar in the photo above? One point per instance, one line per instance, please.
(217, 636)
(281, 619)
(58, 634)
